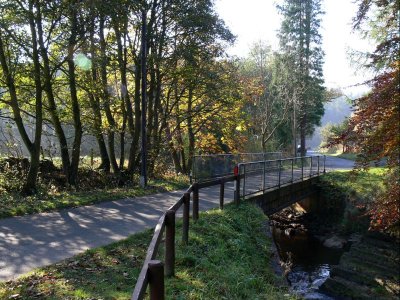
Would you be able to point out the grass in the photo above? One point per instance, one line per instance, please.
(13, 204)
(349, 156)
(363, 184)
(340, 154)
(350, 194)
(108, 272)
(227, 257)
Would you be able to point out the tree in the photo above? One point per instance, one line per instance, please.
(16, 62)
(269, 94)
(194, 85)
(300, 40)
(331, 132)
(75, 67)
(375, 123)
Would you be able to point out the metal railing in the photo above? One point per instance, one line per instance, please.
(257, 177)
(209, 167)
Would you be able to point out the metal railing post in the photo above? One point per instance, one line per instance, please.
(156, 280)
(324, 163)
(292, 169)
(318, 164)
(185, 225)
(221, 194)
(244, 181)
(236, 195)
(263, 183)
(195, 201)
(310, 166)
(279, 173)
(170, 243)
(302, 168)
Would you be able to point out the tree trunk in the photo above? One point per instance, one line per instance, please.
(48, 88)
(105, 94)
(30, 183)
(181, 146)
(33, 147)
(95, 106)
(135, 140)
(190, 131)
(294, 131)
(174, 153)
(303, 123)
(76, 146)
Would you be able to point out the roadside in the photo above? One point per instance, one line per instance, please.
(52, 198)
(220, 240)
(349, 156)
(32, 241)
(53, 193)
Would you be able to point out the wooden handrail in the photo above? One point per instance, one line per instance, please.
(143, 279)
(152, 250)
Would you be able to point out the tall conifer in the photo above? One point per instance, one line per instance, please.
(301, 40)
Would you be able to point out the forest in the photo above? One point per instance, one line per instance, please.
(75, 69)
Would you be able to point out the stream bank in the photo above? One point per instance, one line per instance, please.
(370, 270)
(320, 260)
(305, 258)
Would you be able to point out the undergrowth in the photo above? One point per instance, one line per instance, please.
(53, 194)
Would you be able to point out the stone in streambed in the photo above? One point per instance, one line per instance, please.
(335, 242)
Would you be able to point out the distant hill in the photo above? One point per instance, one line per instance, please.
(335, 112)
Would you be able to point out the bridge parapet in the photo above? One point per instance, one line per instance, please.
(213, 166)
(260, 176)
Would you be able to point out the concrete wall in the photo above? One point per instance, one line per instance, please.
(305, 193)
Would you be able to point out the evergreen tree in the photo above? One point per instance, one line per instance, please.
(300, 39)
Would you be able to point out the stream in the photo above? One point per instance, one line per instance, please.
(307, 262)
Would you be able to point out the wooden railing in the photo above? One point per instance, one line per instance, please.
(153, 270)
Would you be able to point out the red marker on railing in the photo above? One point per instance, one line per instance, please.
(236, 170)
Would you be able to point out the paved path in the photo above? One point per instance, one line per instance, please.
(33, 241)
(37, 240)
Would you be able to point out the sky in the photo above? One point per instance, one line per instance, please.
(255, 20)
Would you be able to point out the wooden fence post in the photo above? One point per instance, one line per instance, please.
(170, 243)
(185, 225)
(195, 201)
(156, 280)
(221, 193)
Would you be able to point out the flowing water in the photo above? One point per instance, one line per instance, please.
(308, 260)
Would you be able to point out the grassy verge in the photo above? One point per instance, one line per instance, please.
(227, 258)
(349, 156)
(340, 154)
(354, 192)
(363, 185)
(13, 204)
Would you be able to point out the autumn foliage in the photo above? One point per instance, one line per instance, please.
(374, 127)
(376, 120)
(376, 124)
